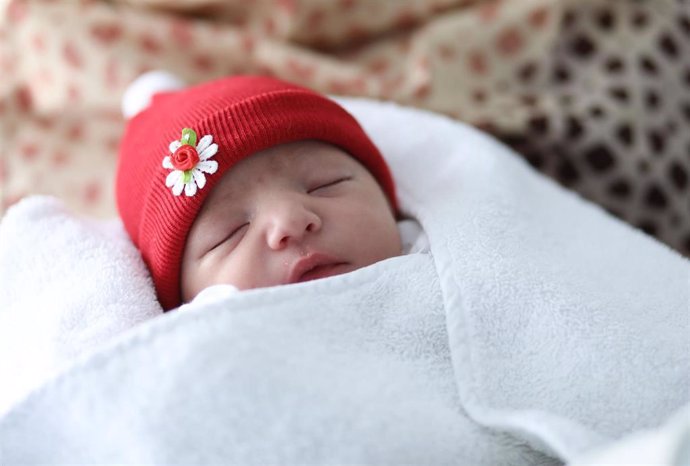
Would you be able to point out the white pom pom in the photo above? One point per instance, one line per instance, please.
(138, 95)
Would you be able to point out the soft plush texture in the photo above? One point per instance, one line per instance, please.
(68, 284)
(667, 445)
(537, 330)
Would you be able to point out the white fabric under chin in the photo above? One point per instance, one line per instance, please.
(412, 236)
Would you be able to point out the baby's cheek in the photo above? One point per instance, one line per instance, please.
(231, 274)
(381, 239)
(244, 271)
(192, 283)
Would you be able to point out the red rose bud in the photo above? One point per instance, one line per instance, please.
(185, 158)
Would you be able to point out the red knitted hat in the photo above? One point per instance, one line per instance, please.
(175, 151)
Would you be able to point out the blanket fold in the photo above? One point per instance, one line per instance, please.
(538, 329)
(556, 311)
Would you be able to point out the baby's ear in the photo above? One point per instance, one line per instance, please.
(139, 93)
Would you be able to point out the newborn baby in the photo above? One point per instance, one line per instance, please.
(252, 182)
(290, 213)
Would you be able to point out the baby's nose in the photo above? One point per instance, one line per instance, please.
(291, 222)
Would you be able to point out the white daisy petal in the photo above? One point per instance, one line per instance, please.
(209, 152)
(179, 185)
(167, 163)
(199, 177)
(207, 166)
(174, 146)
(204, 143)
(190, 188)
(172, 178)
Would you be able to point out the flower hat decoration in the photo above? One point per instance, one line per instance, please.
(189, 161)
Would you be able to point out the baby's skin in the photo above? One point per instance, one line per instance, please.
(288, 214)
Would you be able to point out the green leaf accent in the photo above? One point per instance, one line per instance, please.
(188, 137)
(187, 176)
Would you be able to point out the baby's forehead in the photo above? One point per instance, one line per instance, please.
(296, 159)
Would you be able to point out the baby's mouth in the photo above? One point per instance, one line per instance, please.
(323, 271)
(314, 266)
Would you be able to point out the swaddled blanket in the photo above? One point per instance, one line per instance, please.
(537, 329)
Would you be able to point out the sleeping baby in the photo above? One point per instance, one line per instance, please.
(249, 182)
(534, 334)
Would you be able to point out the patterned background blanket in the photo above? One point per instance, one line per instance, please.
(593, 93)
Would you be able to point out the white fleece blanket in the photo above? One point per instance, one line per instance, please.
(538, 329)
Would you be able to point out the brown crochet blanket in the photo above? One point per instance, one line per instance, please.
(594, 93)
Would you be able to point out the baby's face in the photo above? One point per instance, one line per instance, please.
(288, 214)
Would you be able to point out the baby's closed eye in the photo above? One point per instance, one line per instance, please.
(235, 233)
(324, 185)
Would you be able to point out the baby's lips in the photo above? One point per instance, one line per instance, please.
(312, 265)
